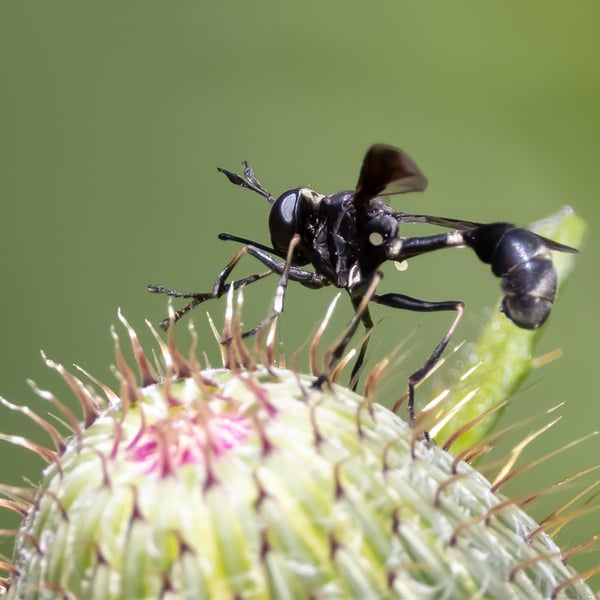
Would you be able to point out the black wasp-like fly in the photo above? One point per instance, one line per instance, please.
(348, 235)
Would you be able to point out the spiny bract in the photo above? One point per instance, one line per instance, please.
(248, 482)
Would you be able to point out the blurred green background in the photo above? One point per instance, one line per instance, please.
(114, 116)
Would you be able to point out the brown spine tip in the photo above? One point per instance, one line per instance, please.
(88, 402)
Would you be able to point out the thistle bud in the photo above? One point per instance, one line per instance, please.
(250, 482)
(255, 481)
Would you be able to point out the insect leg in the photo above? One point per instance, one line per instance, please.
(262, 253)
(306, 278)
(286, 272)
(360, 301)
(229, 237)
(200, 297)
(220, 287)
(414, 304)
(367, 321)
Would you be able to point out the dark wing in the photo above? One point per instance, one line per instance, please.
(465, 225)
(385, 171)
(552, 245)
(440, 221)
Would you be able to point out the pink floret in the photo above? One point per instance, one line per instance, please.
(172, 443)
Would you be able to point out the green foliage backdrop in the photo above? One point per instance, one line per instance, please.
(114, 115)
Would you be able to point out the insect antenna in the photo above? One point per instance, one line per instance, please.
(248, 181)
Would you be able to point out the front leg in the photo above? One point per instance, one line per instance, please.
(286, 272)
(221, 286)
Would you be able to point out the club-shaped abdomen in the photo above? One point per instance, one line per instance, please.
(524, 263)
(529, 291)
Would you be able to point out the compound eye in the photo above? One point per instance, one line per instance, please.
(283, 220)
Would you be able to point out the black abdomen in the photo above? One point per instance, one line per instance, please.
(524, 263)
